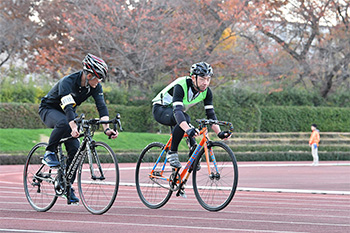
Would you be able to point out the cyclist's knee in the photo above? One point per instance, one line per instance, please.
(188, 118)
(63, 123)
(72, 146)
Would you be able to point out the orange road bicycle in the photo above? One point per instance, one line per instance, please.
(214, 167)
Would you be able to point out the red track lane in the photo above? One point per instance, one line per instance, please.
(280, 200)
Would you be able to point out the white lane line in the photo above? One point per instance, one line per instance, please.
(194, 211)
(201, 228)
(263, 204)
(278, 190)
(145, 225)
(293, 165)
(275, 190)
(36, 231)
(241, 165)
(247, 189)
(271, 165)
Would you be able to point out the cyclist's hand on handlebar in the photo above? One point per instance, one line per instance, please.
(192, 132)
(111, 133)
(224, 134)
(75, 133)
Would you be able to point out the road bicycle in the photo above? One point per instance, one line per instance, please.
(214, 167)
(95, 164)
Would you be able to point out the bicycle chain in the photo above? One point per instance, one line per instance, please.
(170, 182)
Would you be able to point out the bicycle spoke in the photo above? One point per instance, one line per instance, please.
(216, 189)
(153, 187)
(99, 190)
(38, 180)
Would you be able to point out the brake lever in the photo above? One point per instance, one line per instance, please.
(116, 121)
(79, 120)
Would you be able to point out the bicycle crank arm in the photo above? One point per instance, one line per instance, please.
(181, 188)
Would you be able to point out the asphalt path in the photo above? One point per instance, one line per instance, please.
(271, 197)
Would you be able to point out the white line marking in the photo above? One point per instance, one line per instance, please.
(269, 165)
(144, 225)
(278, 190)
(36, 231)
(293, 165)
(261, 189)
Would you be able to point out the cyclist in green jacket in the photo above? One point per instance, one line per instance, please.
(171, 104)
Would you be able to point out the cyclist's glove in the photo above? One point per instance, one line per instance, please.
(224, 134)
(192, 132)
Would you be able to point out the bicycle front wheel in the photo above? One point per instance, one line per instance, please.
(38, 180)
(153, 187)
(98, 179)
(216, 182)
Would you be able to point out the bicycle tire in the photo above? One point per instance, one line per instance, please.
(98, 195)
(215, 191)
(152, 194)
(39, 192)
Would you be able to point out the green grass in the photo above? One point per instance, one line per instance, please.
(19, 139)
(129, 145)
(22, 140)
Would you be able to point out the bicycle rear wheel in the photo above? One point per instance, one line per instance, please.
(98, 179)
(215, 190)
(38, 180)
(153, 191)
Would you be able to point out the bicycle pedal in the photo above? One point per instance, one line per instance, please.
(71, 203)
(74, 203)
(53, 167)
(183, 194)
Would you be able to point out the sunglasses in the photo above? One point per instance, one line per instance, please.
(98, 79)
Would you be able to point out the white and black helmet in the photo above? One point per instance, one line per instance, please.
(96, 66)
(201, 69)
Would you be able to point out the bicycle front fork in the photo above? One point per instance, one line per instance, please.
(92, 156)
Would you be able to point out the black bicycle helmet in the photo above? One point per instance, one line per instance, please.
(201, 69)
(96, 66)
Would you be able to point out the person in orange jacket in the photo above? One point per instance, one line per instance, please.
(313, 142)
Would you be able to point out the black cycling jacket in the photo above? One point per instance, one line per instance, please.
(71, 84)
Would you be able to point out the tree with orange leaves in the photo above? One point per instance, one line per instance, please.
(139, 39)
(315, 35)
(17, 31)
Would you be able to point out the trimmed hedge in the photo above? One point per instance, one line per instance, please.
(299, 119)
(133, 118)
(291, 156)
(20, 115)
(245, 119)
(248, 119)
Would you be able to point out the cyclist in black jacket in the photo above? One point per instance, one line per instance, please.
(57, 108)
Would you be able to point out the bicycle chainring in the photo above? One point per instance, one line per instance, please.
(174, 183)
(60, 186)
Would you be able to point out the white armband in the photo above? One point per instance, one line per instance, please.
(66, 100)
(178, 103)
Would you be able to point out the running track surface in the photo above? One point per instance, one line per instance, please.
(271, 197)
